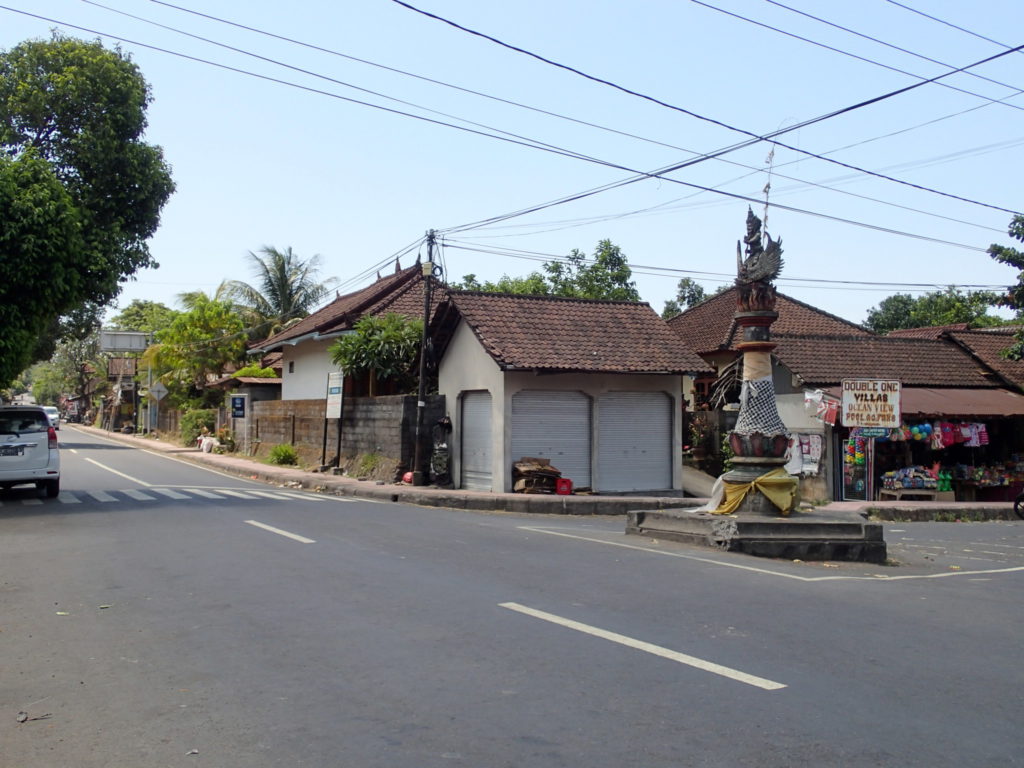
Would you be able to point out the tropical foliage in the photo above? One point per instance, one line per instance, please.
(382, 347)
(947, 307)
(1015, 296)
(80, 192)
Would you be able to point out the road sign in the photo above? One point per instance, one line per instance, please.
(158, 390)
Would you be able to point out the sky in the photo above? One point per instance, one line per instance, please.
(372, 123)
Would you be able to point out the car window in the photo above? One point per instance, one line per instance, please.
(25, 421)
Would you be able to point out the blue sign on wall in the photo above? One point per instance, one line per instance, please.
(238, 406)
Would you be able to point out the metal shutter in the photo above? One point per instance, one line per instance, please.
(634, 442)
(476, 441)
(555, 426)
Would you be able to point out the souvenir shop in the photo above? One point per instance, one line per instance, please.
(956, 455)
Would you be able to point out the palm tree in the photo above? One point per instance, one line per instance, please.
(287, 290)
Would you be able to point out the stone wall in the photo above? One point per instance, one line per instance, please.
(385, 426)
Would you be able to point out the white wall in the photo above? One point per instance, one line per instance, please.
(467, 367)
(311, 363)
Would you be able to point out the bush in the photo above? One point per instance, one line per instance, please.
(283, 454)
(193, 422)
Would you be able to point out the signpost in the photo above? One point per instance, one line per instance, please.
(334, 408)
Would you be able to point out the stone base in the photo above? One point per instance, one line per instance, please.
(804, 536)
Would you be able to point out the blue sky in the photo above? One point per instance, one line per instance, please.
(258, 162)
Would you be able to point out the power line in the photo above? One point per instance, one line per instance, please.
(866, 60)
(755, 138)
(554, 114)
(948, 24)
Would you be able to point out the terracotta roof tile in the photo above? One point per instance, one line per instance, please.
(341, 313)
(560, 334)
(709, 326)
(827, 360)
(987, 346)
(928, 332)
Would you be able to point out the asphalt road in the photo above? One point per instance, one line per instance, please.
(161, 614)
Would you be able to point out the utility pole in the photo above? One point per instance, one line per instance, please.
(428, 276)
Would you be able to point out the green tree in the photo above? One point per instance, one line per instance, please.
(80, 192)
(1014, 298)
(198, 345)
(689, 293)
(946, 307)
(383, 347)
(144, 316)
(287, 289)
(607, 276)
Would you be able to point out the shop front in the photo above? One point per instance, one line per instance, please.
(951, 445)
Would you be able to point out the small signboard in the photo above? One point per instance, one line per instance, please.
(158, 390)
(238, 406)
(335, 385)
(874, 431)
(871, 403)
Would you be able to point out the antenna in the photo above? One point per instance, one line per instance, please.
(770, 162)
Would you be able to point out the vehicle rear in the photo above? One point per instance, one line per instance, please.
(29, 452)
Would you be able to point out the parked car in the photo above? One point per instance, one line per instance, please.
(29, 452)
(54, 415)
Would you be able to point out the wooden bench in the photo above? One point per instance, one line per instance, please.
(923, 494)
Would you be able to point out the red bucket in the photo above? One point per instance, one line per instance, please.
(563, 486)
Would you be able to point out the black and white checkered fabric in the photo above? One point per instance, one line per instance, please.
(758, 411)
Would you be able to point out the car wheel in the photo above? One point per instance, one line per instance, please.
(52, 489)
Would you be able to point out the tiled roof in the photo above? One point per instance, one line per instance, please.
(928, 332)
(709, 326)
(987, 346)
(560, 334)
(826, 360)
(341, 313)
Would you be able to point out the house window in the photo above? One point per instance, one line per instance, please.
(291, 366)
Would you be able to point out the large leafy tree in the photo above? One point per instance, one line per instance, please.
(946, 307)
(144, 316)
(200, 343)
(606, 276)
(80, 192)
(382, 347)
(287, 289)
(1014, 298)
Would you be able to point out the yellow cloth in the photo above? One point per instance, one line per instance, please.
(777, 485)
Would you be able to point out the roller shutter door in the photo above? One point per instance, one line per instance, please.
(556, 426)
(476, 441)
(634, 441)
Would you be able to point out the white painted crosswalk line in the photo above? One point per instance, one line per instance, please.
(101, 496)
(68, 498)
(204, 494)
(272, 495)
(303, 496)
(138, 495)
(169, 493)
(30, 502)
(236, 494)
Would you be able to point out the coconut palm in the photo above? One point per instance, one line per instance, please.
(287, 289)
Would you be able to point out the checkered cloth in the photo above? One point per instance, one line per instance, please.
(758, 412)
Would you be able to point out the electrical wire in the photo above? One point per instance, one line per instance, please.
(866, 60)
(755, 138)
(947, 23)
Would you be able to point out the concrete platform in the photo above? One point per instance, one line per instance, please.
(840, 535)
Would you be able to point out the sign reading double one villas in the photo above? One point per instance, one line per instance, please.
(871, 403)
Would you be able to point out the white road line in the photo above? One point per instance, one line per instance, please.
(657, 650)
(272, 495)
(138, 495)
(204, 494)
(767, 571)
(101, 496)
(278, 531)
(121, 474)
(30, 502)
(304, 496)
(68, 498)
(236, 494)
(170, 494)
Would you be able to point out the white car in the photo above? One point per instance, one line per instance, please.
(54, 415)
(29, 452)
